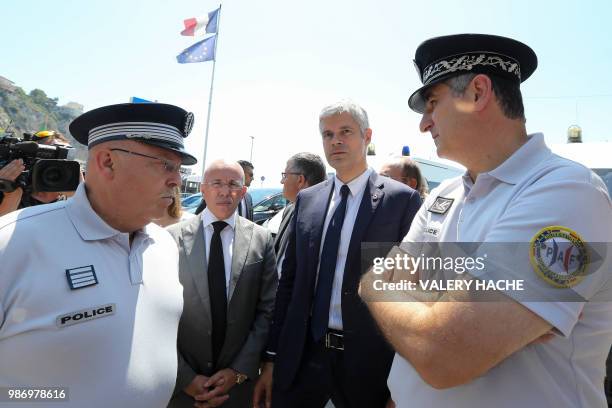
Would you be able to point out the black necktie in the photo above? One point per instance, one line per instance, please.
(327, 269)
(216, 289)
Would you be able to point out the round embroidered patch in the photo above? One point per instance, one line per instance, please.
(559, 256)
(188, 124)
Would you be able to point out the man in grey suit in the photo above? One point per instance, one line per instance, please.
(227, 269)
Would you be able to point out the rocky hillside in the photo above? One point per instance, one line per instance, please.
(21, 112)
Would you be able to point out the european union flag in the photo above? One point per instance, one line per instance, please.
(199, 52)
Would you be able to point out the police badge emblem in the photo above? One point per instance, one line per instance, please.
(188, 124)
(441, 205)
(559, 256)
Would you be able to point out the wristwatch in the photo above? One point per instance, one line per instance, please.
(240, 378)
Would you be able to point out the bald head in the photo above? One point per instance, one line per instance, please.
(404, 170)
(224, 165)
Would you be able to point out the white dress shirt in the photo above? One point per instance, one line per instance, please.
(227, 240)
(357, 187)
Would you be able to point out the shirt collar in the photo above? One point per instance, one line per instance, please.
(87, 222)
(356, 185)
(527, 156)
(208, 218)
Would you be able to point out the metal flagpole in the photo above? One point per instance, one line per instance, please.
(212, 80)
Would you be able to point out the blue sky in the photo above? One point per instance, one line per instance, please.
(279, 62)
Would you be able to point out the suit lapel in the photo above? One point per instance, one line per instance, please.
(320, 206)
(248, 206)
(281, 237)
(372, 196)
(197, 264)
(242, 239)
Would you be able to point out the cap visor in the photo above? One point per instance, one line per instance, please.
(416, 101)
(186, 158)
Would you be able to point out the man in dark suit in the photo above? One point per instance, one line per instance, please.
(227, 269)
(245, 209)
(302, 170)
(323, 342)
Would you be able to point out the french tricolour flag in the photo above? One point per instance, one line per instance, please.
(198, 26)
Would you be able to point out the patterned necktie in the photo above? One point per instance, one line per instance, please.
(217, 289)
(327, 269)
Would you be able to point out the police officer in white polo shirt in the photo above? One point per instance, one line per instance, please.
(89, 293)
(512, 351)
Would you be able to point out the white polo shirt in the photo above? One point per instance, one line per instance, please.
(531, 194)
(111, 340)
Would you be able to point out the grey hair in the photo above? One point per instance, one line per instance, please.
(357, 112)
(310, 165)
(508, 94)
(458, 84)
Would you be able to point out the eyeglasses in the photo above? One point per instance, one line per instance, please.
(169, 167)
(284, 174)
(217, 185)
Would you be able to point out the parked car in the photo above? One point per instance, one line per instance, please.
(258, 194)
(190, 199)
(267, 208)
(263, 208)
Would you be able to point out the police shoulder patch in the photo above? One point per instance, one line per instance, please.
(559, 256)
(441, 205)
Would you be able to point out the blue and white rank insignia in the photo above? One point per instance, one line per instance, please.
(81, 277)
(441, 205)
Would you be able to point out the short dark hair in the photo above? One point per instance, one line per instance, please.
(246, 164)
(508, 93)
(310, 165)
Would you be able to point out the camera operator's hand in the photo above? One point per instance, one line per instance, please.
(11, 200)
(12, 170)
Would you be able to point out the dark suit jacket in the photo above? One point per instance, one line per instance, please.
(280, 242)
(250, 302)
(384, 215)
(247, 199)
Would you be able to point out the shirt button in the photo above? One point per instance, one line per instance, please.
(209, 365)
